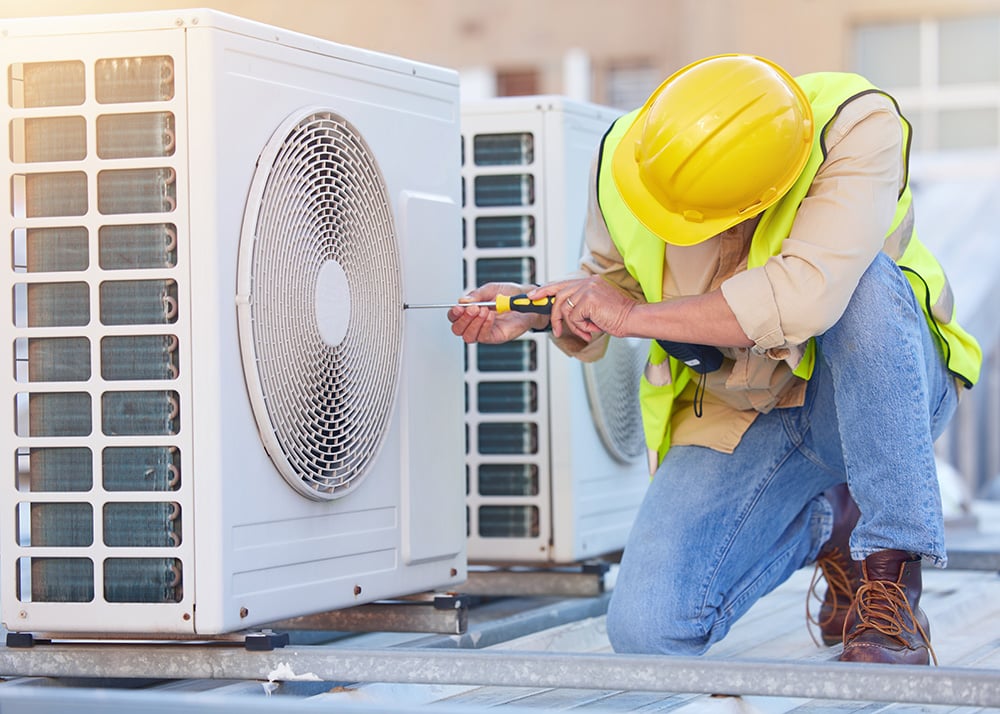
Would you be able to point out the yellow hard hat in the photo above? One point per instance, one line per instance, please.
(717, 143)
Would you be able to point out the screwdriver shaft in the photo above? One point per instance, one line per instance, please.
(446, 305)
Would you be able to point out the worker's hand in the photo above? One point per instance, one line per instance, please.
(478, 323)
(587, 307)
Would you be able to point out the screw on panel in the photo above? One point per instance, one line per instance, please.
(244, 612)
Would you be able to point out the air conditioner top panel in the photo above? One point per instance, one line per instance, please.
(202, 18)
(540, 102)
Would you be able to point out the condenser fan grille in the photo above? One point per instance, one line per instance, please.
(320, 304)
(612, 384)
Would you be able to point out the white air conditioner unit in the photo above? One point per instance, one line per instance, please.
(220, 411)
(555, 460)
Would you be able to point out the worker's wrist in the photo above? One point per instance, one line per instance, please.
(640, 320)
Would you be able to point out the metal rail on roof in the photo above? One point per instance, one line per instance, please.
(835, 681)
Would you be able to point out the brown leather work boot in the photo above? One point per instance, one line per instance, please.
(885, 624)
(834, 563)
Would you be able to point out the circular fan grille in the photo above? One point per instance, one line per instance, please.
(613, 393)
(320, 304)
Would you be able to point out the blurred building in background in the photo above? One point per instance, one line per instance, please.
(941, 58)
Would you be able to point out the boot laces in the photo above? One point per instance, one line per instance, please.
(838, 572)
(883, 606)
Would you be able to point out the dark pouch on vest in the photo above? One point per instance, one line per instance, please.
(701, 358)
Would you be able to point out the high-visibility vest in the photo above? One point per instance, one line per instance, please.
(643, 253)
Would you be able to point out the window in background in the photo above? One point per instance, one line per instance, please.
(945, 74)
(517, 82)
(628, 84)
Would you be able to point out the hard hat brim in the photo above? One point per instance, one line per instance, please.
(689, 227)
(671, 227)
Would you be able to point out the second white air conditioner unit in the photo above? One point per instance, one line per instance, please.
(218, 410)
(556, 465)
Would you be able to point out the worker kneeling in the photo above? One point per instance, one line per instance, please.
(804, 354)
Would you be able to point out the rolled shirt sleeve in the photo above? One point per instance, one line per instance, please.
(838, 230)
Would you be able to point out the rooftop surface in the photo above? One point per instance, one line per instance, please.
(548, 653)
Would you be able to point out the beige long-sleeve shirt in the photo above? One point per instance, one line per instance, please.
(838, 230)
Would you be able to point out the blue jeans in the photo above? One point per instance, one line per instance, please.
(718, 531)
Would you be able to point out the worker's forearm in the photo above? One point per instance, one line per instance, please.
(698, 319)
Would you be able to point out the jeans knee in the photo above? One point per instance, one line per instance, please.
(883, 289)
(883, 298)
(639, 630)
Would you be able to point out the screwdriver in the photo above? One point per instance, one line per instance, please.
(502, 304)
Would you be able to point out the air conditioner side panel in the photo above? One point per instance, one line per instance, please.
(530, 541)
(598, 495)
(433, 522)
(24, 46)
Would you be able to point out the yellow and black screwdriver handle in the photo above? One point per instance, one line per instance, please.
(521, 303)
